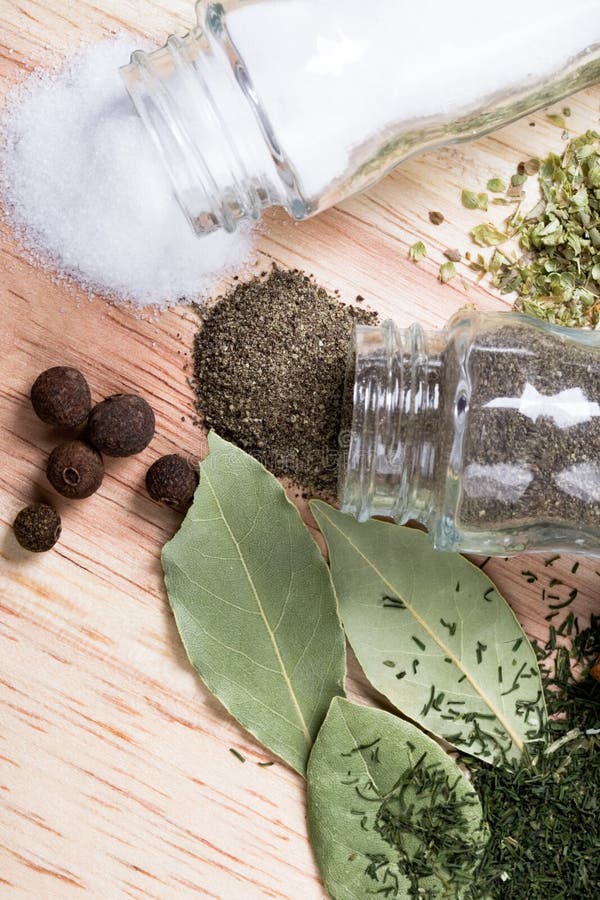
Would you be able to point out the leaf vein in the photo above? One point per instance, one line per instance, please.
(268, 628)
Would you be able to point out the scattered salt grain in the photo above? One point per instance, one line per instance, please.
(87, 194)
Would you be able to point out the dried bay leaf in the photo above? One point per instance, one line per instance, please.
(464, 668)
(254, 604)
(389, 813)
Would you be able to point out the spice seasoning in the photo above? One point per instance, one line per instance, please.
(533, 429)
(543, 811)
(557, 273)
(486, 433)
(559, 276)
(61, 397)
(86, 192)
(75, 470)
(454, 256)
(436, 218)
(172, 480)
(122, 425)
(270, 363)
(447, 272)
(37, 527)
(418, 251)
(471, 200)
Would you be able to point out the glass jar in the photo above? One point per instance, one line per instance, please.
(301, 103)
(488, 433)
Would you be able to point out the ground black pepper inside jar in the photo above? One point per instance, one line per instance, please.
(488, 433)
(532, 443)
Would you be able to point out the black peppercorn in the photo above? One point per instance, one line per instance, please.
(75, 470)
(61, 397)
(37, 528)
(121, 425)
(172, 480)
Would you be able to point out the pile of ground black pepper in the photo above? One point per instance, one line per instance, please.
(270, 362)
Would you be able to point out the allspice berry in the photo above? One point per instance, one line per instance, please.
(75, 470)
(37, 527)
(121, 425)
(172, 480)
(61, 397)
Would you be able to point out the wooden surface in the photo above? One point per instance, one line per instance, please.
(115, 773)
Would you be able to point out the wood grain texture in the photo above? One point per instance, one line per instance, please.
(115, 775)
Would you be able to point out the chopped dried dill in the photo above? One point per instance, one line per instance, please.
(543, 811)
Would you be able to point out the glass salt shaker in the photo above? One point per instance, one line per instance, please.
(301, 103)
(487, 433)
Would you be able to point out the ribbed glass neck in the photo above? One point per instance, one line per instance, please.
(197, 102)
(393, 445)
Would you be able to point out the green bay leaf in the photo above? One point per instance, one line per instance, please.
(464, 668)
(389, 813)
(254, 604)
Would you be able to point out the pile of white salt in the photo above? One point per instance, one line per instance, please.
(85, 190)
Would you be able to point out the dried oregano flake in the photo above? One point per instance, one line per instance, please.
(488, 235)
(496, 186)
(418, 251)
(557, 276)
(472, 200)
(557, 119)
(447, 272)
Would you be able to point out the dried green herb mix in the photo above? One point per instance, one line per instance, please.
(557, 274)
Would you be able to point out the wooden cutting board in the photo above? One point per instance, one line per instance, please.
(115, 772)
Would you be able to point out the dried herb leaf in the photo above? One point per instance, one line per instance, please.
(471, 200)
(453, 255)
(254, 604)
(389, 813)
(471, 675)
(532, 166)
(447, 272)
(518, 180)
(557, 120)
(496, 186)
(418, 251)
(488, 235)
(555, 275)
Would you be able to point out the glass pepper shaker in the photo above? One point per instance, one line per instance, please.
(488, 433)
(301, 103)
